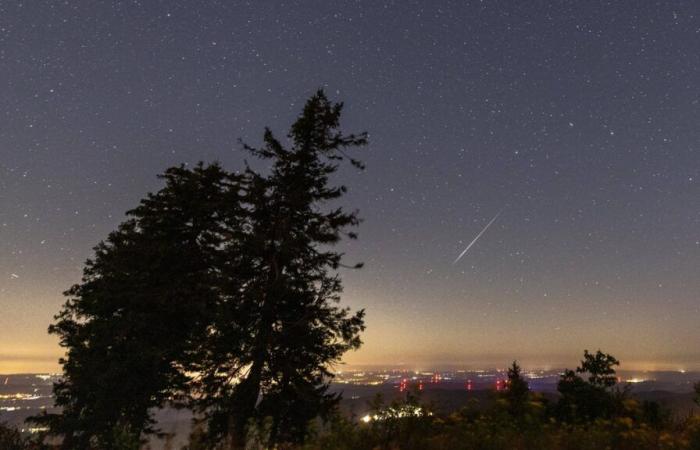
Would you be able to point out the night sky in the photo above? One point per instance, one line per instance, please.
(580, 121)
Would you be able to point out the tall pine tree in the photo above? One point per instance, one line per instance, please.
(288, 297)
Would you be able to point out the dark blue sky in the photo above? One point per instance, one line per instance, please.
(581, 120)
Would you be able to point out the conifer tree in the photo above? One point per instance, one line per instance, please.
(221, 291)
(288, 296)
(131, 325)
(517, 390)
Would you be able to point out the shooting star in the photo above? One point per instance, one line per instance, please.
(464, 252)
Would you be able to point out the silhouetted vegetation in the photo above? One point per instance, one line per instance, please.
(517, 392)
(585, 400)
(133, 326)
(523, 420)
(219, 293)
(279, 328)
(12, 439)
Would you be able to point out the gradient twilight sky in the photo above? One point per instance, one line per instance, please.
(581, 120)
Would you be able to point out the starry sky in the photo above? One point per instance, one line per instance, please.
(580, 121)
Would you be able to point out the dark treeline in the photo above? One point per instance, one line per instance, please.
(220, 294)
(590, 412)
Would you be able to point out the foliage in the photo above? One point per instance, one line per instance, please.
(12, 439)
(632, 425)
(517, 391)
(491, 430)
(585, 400)
(220, 292)
(599, 368)
(132, 325)
(285, 293)
(404, 423)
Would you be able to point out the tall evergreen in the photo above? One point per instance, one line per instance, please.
(517, 390)
(287, 299)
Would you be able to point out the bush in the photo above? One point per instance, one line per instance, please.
(12, 439)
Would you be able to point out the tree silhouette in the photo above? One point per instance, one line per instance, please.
(583, 400)
(132, 325)
(12, 439)
(517, 390)
(221, 291)
(600, 368)
(287, 297)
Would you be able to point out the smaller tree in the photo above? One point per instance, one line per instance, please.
(11, 439)
(517, 390)
(402, 423)
(583, 400)
(600, 368)
(654, 414)
(696, 398)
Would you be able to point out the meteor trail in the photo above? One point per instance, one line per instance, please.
(464, 252)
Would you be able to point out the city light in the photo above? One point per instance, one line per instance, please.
(396, 413)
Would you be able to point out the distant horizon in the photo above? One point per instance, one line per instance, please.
(47, 365)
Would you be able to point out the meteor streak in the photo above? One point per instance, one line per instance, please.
(464, 252)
